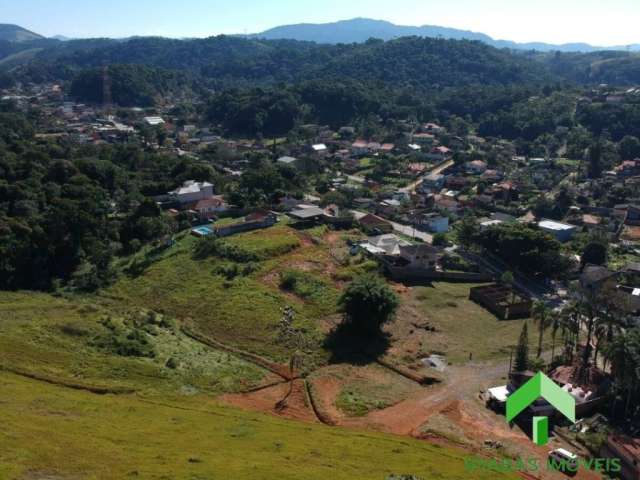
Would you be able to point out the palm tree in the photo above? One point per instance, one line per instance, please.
(556, 319)
(540, 313)
(624, 353)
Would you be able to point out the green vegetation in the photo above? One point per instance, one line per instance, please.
(77, 341)
(53, 431)
(521, 362)
(368, 303)
(131, 85)
(458, 321)
(226, 300)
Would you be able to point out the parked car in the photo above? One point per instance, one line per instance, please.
(565, 461)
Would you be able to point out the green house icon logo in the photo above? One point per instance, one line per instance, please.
(541, 386)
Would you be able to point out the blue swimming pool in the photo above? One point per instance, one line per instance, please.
(202, 231)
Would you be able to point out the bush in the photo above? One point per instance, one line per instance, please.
(211, 246)
(302, 284)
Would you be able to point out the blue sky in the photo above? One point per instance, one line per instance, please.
(599, 22)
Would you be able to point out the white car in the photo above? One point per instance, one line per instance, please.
(564, 460)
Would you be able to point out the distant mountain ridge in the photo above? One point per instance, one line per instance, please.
(359, 30)
(15, 33)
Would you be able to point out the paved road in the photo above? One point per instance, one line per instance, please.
(400, 228)
(436, 170)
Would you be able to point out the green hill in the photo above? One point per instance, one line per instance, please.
(15, 33)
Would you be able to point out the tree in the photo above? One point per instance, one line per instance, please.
(467, 230)
(595, 160)
(629, 147)
(556, 320)
(595, 253)
(624, 354)
(540, 313)
(368, 303)
(522, 351)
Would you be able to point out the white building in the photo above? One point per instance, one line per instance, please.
(192, 191)
(153, 121)
(560, 231)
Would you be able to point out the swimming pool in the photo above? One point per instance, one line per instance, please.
(201, 231)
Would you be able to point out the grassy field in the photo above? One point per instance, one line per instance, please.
(73, 342)
(244, 311)
(56, 433)
(464, 327)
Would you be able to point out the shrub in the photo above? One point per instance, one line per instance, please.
(302, 284)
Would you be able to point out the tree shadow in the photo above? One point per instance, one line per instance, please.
(348, 344)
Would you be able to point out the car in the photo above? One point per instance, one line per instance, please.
(563, 461)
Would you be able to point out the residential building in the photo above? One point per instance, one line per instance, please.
(475, 167)
(420, 256)
(560, 231)
(208, 208)
(192, 191)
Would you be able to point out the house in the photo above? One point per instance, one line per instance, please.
(417, 168)
(560, 231)
(491, 175)
(476, 167)
(420, 256)
(192, 191)
(373, 223)
(505, 191)
(626, 449)
(208, 208)
(307, 214)
(432, 128)
(153, 121)
(319, 148)
(456, 183)
(430, 222)
(359, 147)
(433, 181)
(387, 147)
(628, 168)
(633, 215)
(439, 154)
(442, 202)
(386, 244)
(286, 160)
(422, 139)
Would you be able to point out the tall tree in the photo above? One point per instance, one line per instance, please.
(541, 315)
(368, 303)
(522, 351)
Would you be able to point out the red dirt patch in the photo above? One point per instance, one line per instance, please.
(278, 400)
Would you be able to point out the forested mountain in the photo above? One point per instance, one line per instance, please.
(228, 60)
(15, 33)
(131, 85)
(232, 61)
(362, 29)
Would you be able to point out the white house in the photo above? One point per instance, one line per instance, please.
(561, 231)
(319, 148)
(192, 191)
(388, 244)
(288, 160)
(153, 121)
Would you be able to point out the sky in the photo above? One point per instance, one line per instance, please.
(598, 22)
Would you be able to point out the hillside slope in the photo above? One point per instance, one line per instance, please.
(15, 33)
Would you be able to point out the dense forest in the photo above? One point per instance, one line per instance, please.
(409, 61)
